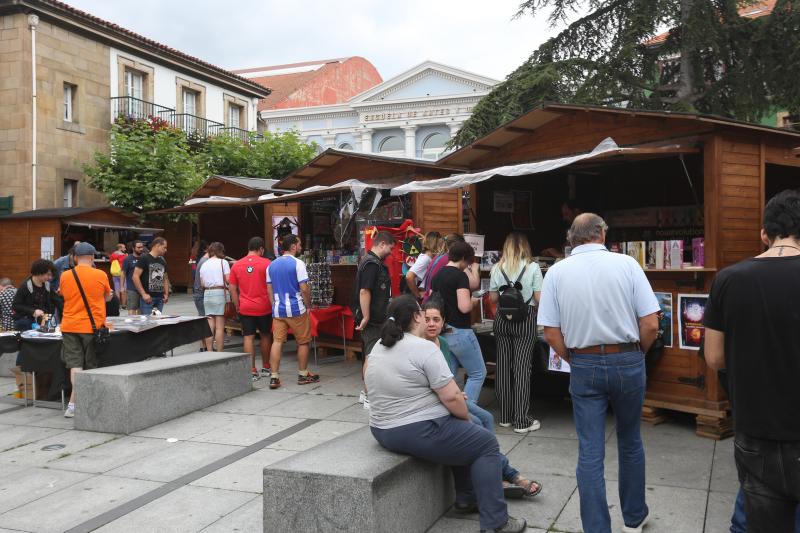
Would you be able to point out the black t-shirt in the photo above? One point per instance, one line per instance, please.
(447, 282)
(375, 278)
(755, 303)
(154, 273)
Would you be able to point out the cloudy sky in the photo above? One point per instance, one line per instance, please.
(476, 35)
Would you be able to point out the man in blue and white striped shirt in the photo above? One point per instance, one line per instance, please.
(287, 285)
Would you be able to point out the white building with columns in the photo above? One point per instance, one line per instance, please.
(411, 115)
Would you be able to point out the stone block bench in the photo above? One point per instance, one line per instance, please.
(131, 397)
(352, 484)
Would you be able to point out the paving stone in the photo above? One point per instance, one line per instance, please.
(508, 442)
(248, 430)
(187, 509)
(25, 485)
(37, 417)
(246, 519)
(105, 457)
(74, 505)
(174, 460)
(354, 413)
(312, 406)
(672, 510)
(543, 455)
(316, 434)
(189, 426)
(252, 403)
(73, 441)
(455, 525)
(14, 436)
(246, 474)
(719, 512)
(341, 386)
(724, 477)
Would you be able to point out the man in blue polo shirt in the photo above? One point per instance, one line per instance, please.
(287, 285)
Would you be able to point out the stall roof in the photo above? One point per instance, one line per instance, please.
(67, 212)
(528, 123)
(331, 158)
(206, 205)
(94, 224)
(356, 186)
(234, 186)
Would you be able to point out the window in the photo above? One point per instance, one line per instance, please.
(433, 145)
(189, 102)
(134, 81)
(70, 193)
(234, 115)
(345, 146)
(391, 144)
(69, 102)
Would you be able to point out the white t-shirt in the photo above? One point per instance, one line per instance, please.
(420, 268)
(211, 273)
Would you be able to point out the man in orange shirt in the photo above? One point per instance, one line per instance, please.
(78, 350)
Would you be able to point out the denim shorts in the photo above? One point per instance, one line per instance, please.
(214, 302)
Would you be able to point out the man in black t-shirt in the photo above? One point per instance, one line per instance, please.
(150, 277)
(752, 325)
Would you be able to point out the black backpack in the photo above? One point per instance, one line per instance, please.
(511, 303)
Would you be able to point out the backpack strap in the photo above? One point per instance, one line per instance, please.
(85, 301)
(508, 281)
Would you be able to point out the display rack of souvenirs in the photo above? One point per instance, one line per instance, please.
(319, 279)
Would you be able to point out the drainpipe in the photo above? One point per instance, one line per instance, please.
(33, 21)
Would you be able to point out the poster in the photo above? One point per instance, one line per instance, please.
(282, 225)
(522, 217)
(690, 320)
(476, 241)
(489, 259)
(665, 318)
(503, 201)
(48, 248)
(556, 364)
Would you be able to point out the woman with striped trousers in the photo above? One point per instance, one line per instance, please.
(515, 338)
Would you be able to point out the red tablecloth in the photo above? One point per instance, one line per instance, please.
(328, 320)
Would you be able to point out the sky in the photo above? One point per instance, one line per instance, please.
(479, 36)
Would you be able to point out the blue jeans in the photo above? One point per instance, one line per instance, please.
(595, 382)
(464, 346)
(484, 418)
(198, 304)
(739, 518)
(470, 450)
(147, 308)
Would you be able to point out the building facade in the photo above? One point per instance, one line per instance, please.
(87, 72)
(412, 115)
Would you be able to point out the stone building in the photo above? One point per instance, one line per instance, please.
(88, 72)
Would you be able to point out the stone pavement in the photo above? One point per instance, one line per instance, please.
(54, 478)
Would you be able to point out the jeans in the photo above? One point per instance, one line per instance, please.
(464, 346)
(739, 518)
(484, 418)
(147, 308)
(199, 305)
(470, 450)
(595, 382)
(769, 473)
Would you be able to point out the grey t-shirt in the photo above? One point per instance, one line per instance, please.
(400, 381)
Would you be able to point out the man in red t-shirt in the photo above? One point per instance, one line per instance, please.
(248, 286)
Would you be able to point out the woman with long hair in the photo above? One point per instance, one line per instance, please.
(432, 246)
(417, 409)
(516, 334)
(214, 279)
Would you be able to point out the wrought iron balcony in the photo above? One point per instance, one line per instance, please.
(239, 133)
(197, 125)
(135, 108)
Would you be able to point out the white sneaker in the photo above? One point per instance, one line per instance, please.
(637, 529)
(366, 403)
(533, 427)
(362, 396)
(70, 412)
(504, 424)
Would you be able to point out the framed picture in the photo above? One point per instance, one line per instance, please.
(503, 201)
(692, 311)
(665, 321)
(522, 217)
(489, 259)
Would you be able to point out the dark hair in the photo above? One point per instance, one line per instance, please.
(216, 249)
(383, 236)
(288, 241)
(460, 251)
(255, 244)
(158, 241)
(782, 215)
(202, 246)
(42, 266)
(400, 312)
(434, 302)
(451, 238)
(134, 243)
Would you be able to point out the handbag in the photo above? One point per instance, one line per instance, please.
(230, 309)
(100, 335)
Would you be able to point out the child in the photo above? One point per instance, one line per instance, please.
(514, 485)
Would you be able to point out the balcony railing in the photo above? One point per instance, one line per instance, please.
(197, 125)
(134, 108)
(239, 133)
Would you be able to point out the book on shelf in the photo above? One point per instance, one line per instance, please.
(636, 249)
(673, 255)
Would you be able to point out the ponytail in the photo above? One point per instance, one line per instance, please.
(401, 314)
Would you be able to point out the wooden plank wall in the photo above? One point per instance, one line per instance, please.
(286, 209)
(21, 242)
(437, 211)
(179, 248)
(740, 199)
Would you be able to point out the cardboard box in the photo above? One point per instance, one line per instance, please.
(25, 383)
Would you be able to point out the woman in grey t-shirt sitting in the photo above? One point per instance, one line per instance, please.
(416, 408)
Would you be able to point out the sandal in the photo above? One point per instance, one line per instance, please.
(528, 486)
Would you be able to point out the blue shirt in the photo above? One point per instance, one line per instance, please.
(62, 265)
(286, 274)
(128, 265)
(596, 297)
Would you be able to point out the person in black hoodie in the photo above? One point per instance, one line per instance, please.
(35, 297)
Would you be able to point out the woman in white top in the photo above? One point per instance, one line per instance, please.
(214, 280)
(432, 246)
(515, 333)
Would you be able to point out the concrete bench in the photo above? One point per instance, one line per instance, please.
(352, 484)
(128, 398)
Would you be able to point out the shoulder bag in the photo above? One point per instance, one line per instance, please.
(230, 309)
(101, 335)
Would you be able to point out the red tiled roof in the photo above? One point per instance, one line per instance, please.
(255, 87)
(754, 11)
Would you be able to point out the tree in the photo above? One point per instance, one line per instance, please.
(266, 156)
(150, 166)
(713, 60)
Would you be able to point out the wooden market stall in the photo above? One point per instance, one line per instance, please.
(674, 177)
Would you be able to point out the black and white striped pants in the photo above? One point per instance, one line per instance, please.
(515, 341)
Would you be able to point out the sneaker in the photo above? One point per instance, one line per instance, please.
(274, 383)
(307, 379)
(504, 424)
(465, 508)
(533, 427)
(366, 403)
(266, 372)
(638, 528)
(513, 525)
(254, 374)
(70, 412)
(362, 396)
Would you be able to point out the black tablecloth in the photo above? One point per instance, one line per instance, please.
(9, 344)
(44, 355)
